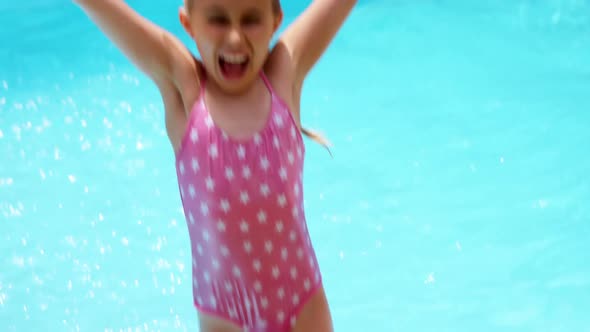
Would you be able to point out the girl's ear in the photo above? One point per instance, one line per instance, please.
(278, 20)
(184, 20)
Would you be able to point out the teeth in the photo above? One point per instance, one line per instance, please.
(234, 59)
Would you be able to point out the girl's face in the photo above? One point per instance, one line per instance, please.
(232, 37)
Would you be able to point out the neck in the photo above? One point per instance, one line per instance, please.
(239, 92)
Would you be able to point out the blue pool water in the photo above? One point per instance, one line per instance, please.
(458, 198)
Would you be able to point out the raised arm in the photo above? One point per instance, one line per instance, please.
(312, 32)
(153, 50)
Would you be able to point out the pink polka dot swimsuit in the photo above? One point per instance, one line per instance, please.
(253, 261)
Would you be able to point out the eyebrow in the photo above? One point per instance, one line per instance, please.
(252, 11)
(214, 9)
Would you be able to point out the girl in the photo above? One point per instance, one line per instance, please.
(233, 120)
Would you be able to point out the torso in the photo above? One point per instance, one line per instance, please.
(242, 195)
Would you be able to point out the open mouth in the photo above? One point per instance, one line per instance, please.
(233, 66)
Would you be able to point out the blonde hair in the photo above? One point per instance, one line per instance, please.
(276, 8)
(276, 5)
(317, 138)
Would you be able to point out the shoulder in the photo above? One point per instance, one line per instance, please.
(187, 71)
(281, 74)
(179, 92)
(184, 79)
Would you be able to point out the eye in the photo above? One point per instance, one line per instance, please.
(218, 20)
(251, 20)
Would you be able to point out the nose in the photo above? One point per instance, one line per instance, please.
(234, 37)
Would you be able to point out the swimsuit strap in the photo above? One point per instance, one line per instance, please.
(267, 82)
